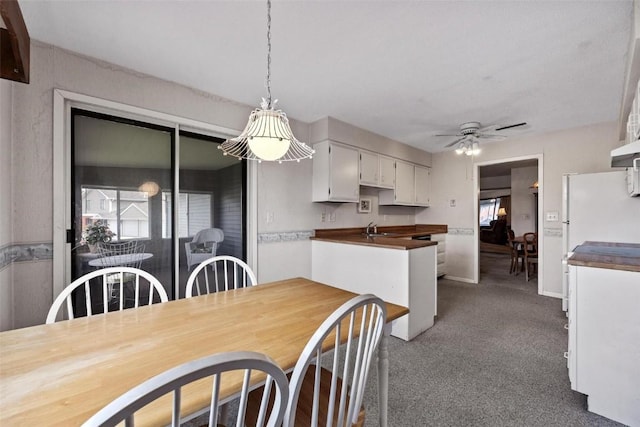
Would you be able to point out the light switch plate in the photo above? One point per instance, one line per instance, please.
(552, 216)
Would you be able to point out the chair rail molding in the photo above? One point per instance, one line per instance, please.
(285, 236)
(23, 252)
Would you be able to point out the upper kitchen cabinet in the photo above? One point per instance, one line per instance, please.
(376, 170)
(335, 173)
(423, 185)
(412, 186)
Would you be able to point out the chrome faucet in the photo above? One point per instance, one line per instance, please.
(375, 228)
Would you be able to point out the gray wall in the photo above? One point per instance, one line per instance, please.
(6, 204)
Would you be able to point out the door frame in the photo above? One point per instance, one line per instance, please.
(476, 226)
(63, 101)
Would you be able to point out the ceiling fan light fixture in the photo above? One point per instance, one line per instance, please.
(267, 135)
(461, 148)
(475, 148)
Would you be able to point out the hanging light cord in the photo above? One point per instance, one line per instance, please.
(268, 82)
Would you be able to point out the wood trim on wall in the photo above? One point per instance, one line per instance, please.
(15, 43)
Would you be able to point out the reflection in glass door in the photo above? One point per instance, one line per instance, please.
(121, 169)
(124, 181)
(212, 200)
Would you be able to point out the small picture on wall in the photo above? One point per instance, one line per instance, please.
(364, 206)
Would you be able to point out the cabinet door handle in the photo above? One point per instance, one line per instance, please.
(566, 354)
(566, 326)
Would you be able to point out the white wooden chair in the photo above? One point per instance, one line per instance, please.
(124, 407)
(203, 246)
(327, 387)
(225, 272)
(145, 287)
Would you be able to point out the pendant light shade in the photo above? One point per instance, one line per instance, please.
(267, 135)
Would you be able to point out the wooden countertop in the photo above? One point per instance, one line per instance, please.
(614, 256)
(400, 236)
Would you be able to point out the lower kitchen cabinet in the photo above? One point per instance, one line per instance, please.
(398, 276)
(441, 267)
(603, 356)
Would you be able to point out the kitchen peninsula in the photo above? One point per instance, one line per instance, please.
(396, 263)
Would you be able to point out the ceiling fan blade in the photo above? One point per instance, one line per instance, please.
(490, 136)
(451, 144)
(511, 126)
(454, 134)
(487, 128)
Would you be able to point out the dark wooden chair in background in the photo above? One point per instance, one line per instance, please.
(530, 253)
(517, 253)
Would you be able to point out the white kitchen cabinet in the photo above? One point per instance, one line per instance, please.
(405, 191)
(369, 168)
(387, 172)
(604, 340)
(441, 267)
(423, 185)
(335, 173)
(376, 170)
(412, 186)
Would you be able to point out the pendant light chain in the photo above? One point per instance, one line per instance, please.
(268, 82)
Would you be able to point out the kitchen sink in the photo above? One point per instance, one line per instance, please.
(378, 234)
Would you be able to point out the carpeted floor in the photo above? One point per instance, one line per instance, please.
(493, 358)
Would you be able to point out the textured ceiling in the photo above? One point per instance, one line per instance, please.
(403, 69)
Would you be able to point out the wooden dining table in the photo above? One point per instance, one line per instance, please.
(62, 373)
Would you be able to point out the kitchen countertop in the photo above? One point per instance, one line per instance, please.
(400, 237)
(614, 256)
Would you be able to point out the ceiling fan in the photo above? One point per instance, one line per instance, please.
(471, 132)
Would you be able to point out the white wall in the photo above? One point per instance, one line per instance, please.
(580, 150)
(522, 200)
(6, 203)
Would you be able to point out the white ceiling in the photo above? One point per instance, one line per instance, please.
(403, 69)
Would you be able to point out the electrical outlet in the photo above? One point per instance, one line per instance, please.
(452, 203)
(332, 217)
(323, 217)
(270, 217)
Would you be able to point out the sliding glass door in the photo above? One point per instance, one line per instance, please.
(212, 200)
(125, 179)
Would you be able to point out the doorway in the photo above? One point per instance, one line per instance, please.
(507, 199)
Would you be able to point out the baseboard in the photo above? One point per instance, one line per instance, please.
(459, 279)
(552, 294)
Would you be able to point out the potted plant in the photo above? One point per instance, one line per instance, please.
(95, 233)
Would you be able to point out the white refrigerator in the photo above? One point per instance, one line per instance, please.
(596, 207)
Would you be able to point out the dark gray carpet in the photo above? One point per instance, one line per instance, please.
(493, 358)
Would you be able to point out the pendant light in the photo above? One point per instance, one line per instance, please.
(267, 135)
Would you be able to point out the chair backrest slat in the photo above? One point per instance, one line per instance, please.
(112, 281)
(228, 273)
(356, 328)
(172, 380)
